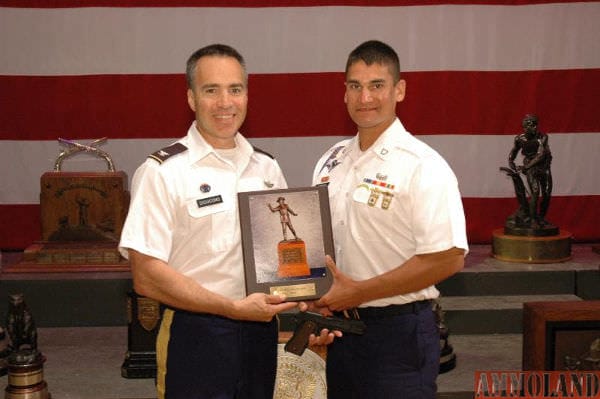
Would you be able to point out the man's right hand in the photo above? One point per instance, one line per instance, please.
(260, 307)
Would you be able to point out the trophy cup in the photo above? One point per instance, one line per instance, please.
(82, 214)
(25, 362)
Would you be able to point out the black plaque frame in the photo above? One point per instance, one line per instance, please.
(259, 246)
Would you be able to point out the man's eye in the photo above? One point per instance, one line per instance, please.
(210, 91)
(354, 86)
(236, 90)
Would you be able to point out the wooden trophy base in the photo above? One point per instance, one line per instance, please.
(139, 365)
(91, 256)
(526, 249)
(292, 259)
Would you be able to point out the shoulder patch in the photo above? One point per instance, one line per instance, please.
(263, 152)
(163, 154)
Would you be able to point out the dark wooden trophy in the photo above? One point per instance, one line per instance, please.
(527, 236)
(144, 316)
(82, 214)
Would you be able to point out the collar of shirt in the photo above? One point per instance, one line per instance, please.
(199, 148)
(391, 138)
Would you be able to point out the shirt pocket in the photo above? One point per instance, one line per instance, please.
(375, 214)
(212, 222)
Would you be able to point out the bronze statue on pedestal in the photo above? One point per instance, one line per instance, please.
(534, 196)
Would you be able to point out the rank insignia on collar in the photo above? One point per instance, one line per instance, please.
(165, 153)
(268, 184)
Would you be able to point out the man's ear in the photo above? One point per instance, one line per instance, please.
(346, 93)
(400, 90)
(190, 98)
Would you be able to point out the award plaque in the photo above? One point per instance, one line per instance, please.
(285, 237)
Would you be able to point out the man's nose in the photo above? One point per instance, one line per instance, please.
(365, 95)
(224, 99)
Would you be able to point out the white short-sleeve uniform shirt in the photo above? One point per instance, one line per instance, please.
(184, 211)
(395, 200)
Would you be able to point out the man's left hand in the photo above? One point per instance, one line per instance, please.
(344, 292)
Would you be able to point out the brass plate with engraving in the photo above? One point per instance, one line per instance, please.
(295, 290)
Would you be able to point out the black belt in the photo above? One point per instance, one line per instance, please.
(374, 312)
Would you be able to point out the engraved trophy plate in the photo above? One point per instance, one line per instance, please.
(148, 313)
(292, 259)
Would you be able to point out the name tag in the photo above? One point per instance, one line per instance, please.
(217, 199)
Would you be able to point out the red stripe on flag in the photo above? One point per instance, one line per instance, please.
(21, 226)
(295, 105)
(579, 215)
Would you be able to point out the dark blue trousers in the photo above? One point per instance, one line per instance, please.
(397, 357)
(211, 357)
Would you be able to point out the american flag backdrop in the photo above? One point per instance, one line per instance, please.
(85, 69)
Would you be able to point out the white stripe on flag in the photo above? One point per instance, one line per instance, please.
(74, 41)
(574, 164)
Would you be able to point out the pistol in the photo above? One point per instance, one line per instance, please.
(312, 323)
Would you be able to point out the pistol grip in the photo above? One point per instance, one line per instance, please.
(299, 341)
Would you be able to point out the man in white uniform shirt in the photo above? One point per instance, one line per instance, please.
(182, 236)
(398, 227)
